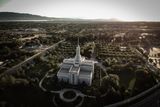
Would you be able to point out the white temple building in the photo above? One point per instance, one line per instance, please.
(76, 70)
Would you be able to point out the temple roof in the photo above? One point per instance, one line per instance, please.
(82, 69)
(77, 65)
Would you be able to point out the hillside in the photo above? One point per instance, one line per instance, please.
(20, 16)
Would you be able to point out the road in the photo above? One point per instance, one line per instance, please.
(93, 57)
(151, 68)
(29, 38)
(31, 58)
(141, 99)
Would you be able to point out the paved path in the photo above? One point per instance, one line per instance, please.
(41, 81)
(60, 91)
(77, 93)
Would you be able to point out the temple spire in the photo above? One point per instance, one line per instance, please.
(78, 42)
(78, 55)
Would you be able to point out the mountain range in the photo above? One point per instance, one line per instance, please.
(12, 16)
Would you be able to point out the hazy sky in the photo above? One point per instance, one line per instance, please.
(130, 10)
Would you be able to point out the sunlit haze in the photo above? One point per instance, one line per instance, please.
(127, 10)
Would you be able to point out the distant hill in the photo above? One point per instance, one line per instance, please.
(20, 16)
(12, 16)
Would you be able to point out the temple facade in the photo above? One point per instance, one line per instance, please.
(76, 70)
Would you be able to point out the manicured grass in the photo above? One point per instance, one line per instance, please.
(132, 83)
